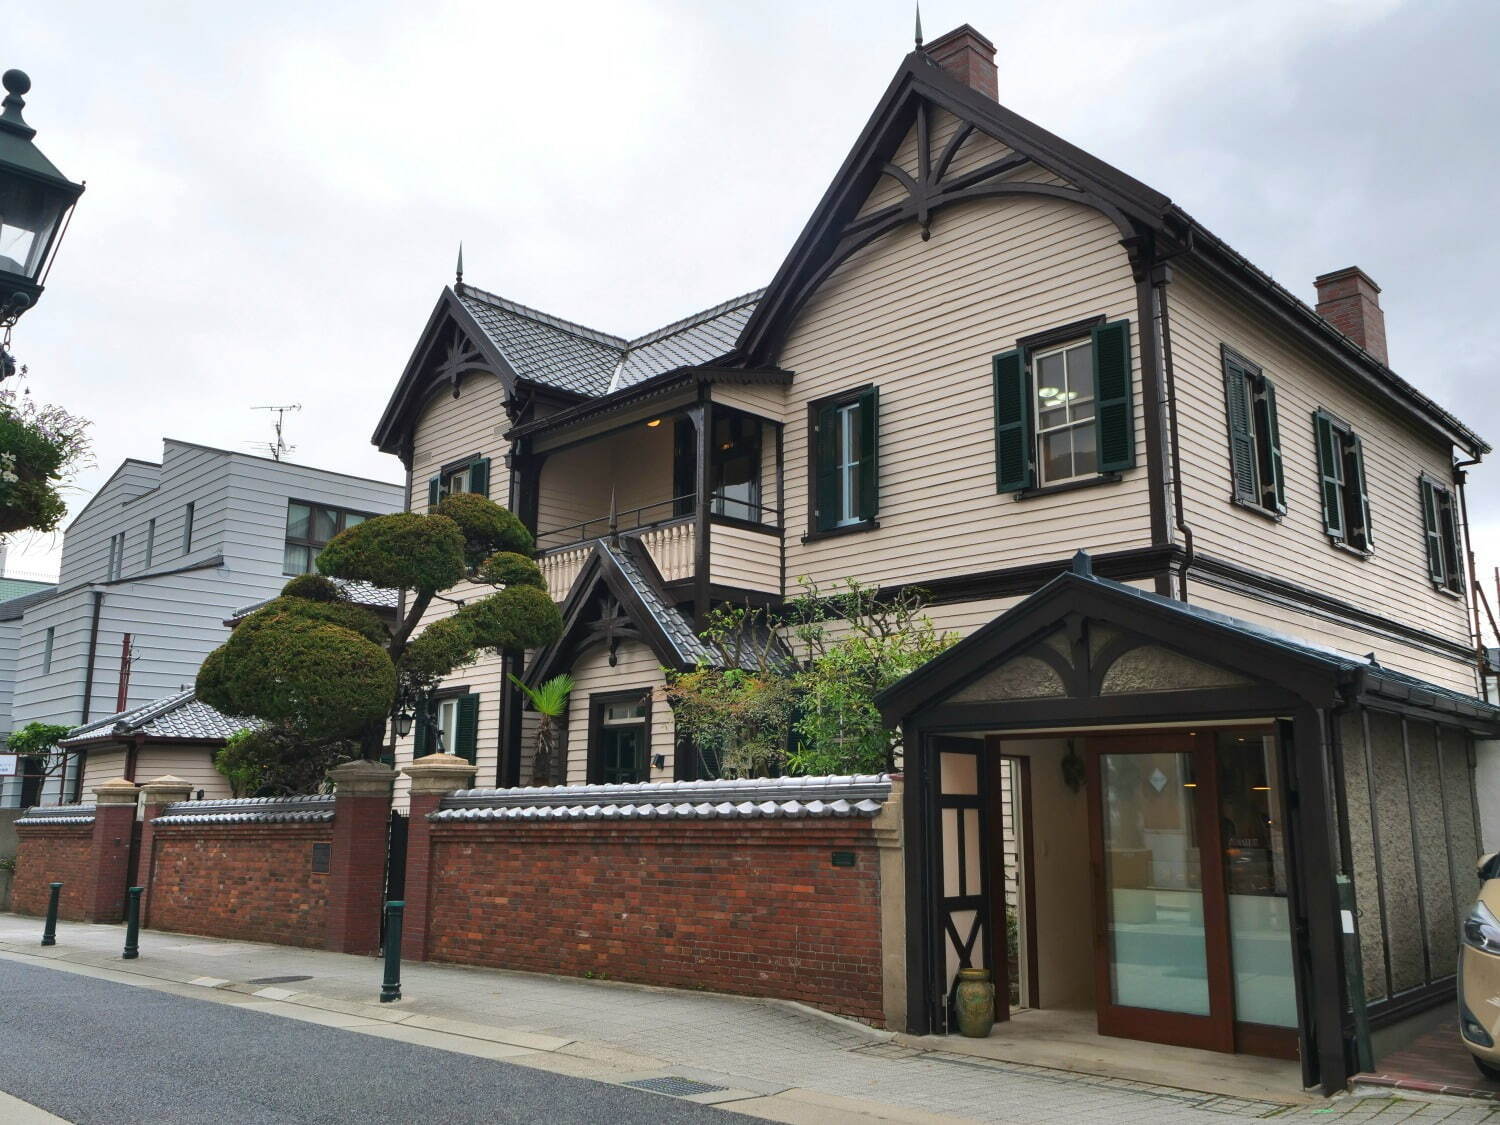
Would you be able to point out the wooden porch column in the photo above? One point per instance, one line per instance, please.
(432, 778)
(701, 414)
(1317, 864)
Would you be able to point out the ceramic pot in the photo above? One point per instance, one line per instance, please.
(975, 1002)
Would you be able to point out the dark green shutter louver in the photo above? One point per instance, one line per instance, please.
(825, 469)
(1273, 481)
(479, 476)
(466, 729)
(1432, 529)
(869, 449)
(1329, 475)
(1359, 519)
(434, 492)
(1012, 423)
(1114, 411)
(421, 730)
(1241, 432)
(1453, 554)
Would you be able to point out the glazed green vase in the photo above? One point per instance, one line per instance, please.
(975, 1002)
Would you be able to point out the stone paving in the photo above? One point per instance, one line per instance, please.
(757, 1046)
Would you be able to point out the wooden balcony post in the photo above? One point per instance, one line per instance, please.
(701, 414)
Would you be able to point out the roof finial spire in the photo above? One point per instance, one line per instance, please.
(919, 25)
(460, 280)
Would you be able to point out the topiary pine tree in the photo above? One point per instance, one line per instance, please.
(329, 669)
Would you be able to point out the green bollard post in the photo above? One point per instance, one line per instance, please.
(390, 988)
(132, 925)
(49, 931)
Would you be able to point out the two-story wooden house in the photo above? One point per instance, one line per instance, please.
(988, 352)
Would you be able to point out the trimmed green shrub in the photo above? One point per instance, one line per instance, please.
(507, 568)
(486, 526)
(313, 588)
(401, 551)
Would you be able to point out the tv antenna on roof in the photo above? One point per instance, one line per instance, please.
(278, 448)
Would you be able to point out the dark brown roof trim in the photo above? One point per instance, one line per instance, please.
(654, 387)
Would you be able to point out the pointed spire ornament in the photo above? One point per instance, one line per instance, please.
(460, 280)
(919, 26)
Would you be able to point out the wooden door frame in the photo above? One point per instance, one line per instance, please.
(1214, 1031)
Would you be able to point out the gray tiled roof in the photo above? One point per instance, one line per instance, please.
(360, 593)
(698, 339)
(315, 809)
(788, 798)
(559, 353)
(177, 716)
(674, 623)
(16, 608)
(58, 815)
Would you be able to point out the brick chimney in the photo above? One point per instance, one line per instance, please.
(1350, 301)
(969, 57)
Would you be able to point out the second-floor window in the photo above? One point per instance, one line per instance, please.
(1254, 443)
(47, 643)
(846, 460)
(1064, 412)
(309, 527)
(116, 557)
(1341, 478)
(1440, 524)
(187, 527)
(472, 474)
(150, 542)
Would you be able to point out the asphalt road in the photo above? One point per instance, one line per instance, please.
(94, 1051)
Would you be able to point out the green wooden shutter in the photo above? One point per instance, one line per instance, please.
(1453, 553)
(1432, 529)
(1329, 474)
(466, 729)
(421, 734)
(825, 469)
(1114, 411)
(434, 492)
(1241, 432)
(479, 476)
(1012, 423)
(869, 449)
(1273, 483)
(1359, 519)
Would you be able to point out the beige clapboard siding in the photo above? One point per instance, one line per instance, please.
(768, 402)
(635, 465)
(744, 558)
(100, 766)
(635, 667)
(1393, 581)
(192, 764)
(922, 321)
(1440, 669)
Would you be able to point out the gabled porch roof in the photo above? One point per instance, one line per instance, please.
(1316, 674)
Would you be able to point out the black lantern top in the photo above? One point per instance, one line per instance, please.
(35, 199)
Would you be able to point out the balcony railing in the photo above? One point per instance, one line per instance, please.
(653, 515)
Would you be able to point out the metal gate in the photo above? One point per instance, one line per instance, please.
(395, 866)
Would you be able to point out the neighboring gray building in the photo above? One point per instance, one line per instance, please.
(151, 568)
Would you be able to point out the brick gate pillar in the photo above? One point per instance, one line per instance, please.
(114, 823)
(361, 835)
(155, 797)
(432, 778)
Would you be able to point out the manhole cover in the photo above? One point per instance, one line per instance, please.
(677, 1087)
(276, 980)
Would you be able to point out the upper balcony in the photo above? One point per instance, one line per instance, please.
(699, 487)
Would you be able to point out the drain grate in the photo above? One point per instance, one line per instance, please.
(276, 980)
(677, 1087)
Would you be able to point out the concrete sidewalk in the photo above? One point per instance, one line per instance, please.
(766, 1059)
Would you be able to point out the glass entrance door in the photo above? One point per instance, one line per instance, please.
(1161, 943)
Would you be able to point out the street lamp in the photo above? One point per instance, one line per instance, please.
(403, 723)
(35, 201)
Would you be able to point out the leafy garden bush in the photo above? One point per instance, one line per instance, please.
(41, 447)
(279, 761)
(318, 667)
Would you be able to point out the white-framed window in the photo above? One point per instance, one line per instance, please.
(1062, 384)
(847, 462)
(447, 724)
(116, 557)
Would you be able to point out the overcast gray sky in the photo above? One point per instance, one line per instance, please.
(276, 190)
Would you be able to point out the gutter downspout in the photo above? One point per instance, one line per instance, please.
(1161, 277)
(1480, 661)
(88, 674)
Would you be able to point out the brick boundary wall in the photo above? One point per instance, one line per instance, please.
(60, 853)
(251, 882)
(751, 907)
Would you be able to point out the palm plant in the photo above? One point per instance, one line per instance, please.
(550, 702)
